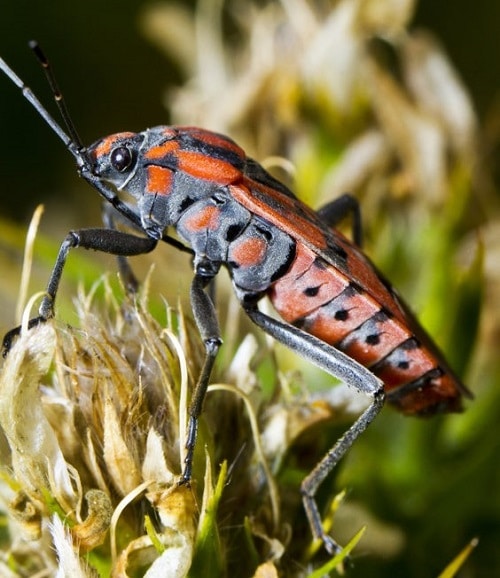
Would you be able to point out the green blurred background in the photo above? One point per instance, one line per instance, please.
(115, 79)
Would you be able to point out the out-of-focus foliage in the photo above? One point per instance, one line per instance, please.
(333, 97)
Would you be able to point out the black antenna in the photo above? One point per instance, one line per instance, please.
(72, 141)
(58, 96)
(38, 106)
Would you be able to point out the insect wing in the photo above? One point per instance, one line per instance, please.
(285, 211)
(289, 214)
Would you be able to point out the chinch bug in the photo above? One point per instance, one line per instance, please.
(335, 309)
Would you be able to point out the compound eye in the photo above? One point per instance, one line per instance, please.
(121, 159)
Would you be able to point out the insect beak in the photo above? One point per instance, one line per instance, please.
(84, 161)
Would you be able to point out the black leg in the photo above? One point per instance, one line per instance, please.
(105, 240)
(337, 210)
(127, 275)
(208, 326)
(342, 367)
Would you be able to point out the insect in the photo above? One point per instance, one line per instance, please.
(334, 307)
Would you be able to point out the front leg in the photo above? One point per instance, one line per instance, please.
(127, 275)
(105, 240)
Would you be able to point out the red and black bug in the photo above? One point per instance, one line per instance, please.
(336, 310)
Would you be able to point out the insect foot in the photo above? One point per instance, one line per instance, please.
(11, 335)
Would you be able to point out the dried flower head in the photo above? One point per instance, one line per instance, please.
(94, 420)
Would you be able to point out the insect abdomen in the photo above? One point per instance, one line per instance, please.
(323, 301)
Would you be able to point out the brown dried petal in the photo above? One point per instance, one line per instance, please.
(120, 461)
(91, 532)
(37, 459)
(27, 514)
(176, 508)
